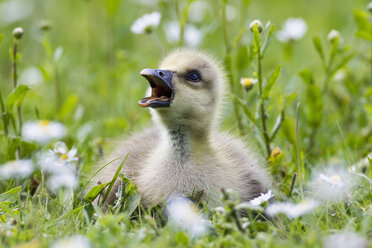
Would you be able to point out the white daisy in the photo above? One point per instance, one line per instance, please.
(293, 29)
(16, 168)
(77, 241)
(345, 239)
(332, 184)
(66, 156)
(292, 210)
(146, 23)
(182, 213)
(43, 131)
(59, 160)
(262, 198)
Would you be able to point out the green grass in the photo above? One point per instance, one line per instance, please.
(320, 88)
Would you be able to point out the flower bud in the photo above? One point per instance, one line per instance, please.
(45, 25)
(17, 33)
(333, 36)
(276, 155)
(254, 24)
(248, 83)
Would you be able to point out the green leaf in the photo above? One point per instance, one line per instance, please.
(114, 179)
(274, 76)
(364, 25)
(17, 96)
(132, 203)
(68, 106)
(314, 105)
(11, 195)
(1, 38)
(307, 76)
(289, 99)
(343, 62)
(8, 210)
(267, 40)
(245, 109)
(256, 43)
(318, 47)
(278, 124)
(242, 58)
(11, 53)
(94, 192)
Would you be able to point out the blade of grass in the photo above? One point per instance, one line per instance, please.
(113, 180)
(90, 179)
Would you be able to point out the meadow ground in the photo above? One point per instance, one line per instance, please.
(300, 76)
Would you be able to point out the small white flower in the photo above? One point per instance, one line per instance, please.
(333, 35)
(18, 33)
(16, 168)
(256, 23)
(31, 76)
(192, 35)
(262, 198)
(334, 181)
(146, 23)
(345, 239)
(231, 12)
(332, 184)
(292, 210)
(66, 156)
(293, 29)
(43, 131)
(340, 76)
(182, 213)
(248, 83)
(77, 241)
(59, 160)
(65, 180)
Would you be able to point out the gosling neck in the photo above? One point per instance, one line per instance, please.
(186, 142)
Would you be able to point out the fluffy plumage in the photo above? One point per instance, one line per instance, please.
(184, 152)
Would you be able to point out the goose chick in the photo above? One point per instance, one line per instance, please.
(184, 152)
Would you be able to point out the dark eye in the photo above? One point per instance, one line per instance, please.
(193, 76)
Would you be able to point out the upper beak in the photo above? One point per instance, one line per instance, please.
(161, 88)
(158, 76)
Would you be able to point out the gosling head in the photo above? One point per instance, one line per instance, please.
(186, 90)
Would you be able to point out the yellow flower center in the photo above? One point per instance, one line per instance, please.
(336, 178)
(44, 123)
(247, 81)
(63, 157)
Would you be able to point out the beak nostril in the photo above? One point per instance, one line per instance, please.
(161, 74)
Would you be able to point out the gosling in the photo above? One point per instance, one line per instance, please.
(184, 153)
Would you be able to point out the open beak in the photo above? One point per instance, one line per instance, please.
(162, 89)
